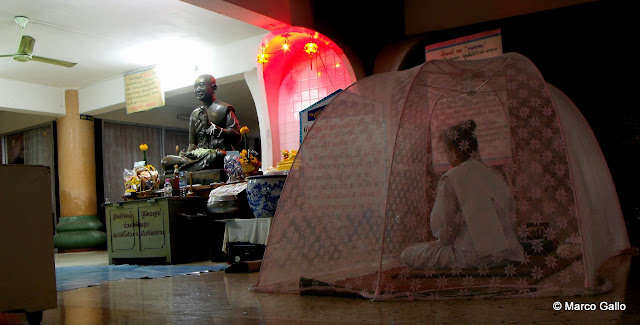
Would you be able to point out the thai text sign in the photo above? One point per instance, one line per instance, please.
(477, 46)
(492, 131)
(151, 227)
(143, 91)
(124, 234)
(230, 189)
(309, 115)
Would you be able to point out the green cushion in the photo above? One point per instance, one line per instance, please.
(80, 239)
(76, 223)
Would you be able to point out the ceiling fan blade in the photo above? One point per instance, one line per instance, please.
(26, 44)
(53, 61)
(6, 55)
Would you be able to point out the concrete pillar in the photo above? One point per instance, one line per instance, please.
(76, 161)
(78, 226)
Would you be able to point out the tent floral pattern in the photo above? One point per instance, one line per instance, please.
(364, 183)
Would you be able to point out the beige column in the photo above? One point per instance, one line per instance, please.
(76, 161)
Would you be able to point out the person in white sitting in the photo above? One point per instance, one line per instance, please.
(470, 213)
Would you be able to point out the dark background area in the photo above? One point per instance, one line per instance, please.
(363, 27)
(585, 50)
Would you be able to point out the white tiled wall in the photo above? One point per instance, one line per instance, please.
(307, 82)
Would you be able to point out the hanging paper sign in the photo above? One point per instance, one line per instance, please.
(143, 91)
(477, 46)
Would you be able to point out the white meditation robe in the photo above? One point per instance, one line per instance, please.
(470, 221)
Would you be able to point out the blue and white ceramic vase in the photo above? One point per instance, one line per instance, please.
(263, 193)
(233, 168)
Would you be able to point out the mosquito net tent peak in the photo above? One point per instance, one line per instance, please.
(452, 179)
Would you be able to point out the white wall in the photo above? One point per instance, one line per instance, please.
(262, 111)
(31, 98)
(24, 105)
(95, 98)
(236, 57)
(225, 61)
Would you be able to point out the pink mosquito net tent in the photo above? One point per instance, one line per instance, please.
(365, 181)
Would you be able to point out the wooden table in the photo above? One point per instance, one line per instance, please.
(158, 230)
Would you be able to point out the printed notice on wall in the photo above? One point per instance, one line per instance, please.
(309, 115)
(143, 91)
(492, 128)
(477, 46)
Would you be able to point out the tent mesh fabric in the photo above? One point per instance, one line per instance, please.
(364, 183)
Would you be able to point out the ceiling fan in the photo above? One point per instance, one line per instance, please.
(26, 48)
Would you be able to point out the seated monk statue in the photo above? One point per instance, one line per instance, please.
(212, 126)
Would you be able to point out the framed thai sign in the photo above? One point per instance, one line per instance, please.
(143, 91)
(309, 115)
(477, 46)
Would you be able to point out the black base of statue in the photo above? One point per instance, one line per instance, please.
(202, 177)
